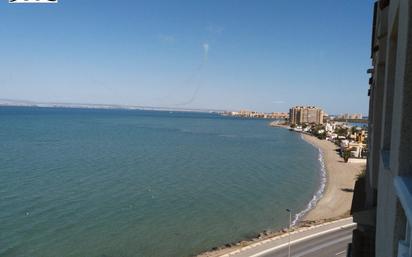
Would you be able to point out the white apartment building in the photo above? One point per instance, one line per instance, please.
(382, 204)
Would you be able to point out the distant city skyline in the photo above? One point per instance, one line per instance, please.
(225, 55)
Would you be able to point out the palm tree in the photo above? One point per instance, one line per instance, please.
(346, 155)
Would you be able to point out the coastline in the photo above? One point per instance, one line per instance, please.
(337, 181)
(332, 200)
(337, 197)
(323, 177)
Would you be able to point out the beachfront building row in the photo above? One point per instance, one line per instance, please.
(305, 114)
(352, 140)
(260, 115)
(347, 116)
(382, 203)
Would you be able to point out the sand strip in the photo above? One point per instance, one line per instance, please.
(337, 197)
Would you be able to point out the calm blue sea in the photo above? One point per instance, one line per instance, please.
(119, 183)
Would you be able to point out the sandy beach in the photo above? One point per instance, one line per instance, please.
(337, 197)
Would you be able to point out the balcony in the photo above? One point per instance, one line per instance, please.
(403, 187)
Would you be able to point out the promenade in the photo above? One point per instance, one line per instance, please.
(324, 240)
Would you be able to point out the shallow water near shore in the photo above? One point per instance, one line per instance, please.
(119, 183)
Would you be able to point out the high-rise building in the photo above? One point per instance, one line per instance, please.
(305, 114)
(356, 116)
(382, 203)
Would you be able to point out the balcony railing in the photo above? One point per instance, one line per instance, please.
(403, 187)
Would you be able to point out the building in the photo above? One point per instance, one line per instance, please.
(258, 115)
(278, 115)
(307, 114)
(347, 116)
(382, 203)
(356, 149)
(356, 116)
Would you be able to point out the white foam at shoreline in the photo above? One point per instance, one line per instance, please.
(318, 195)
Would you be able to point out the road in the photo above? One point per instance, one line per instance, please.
(327, 240)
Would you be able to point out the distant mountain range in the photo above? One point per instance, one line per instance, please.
(27, 103)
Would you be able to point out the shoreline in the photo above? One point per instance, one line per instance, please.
(318, 195)
(336, 199)
(337, 181)
(332, 200)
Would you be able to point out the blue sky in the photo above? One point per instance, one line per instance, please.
(264, 55)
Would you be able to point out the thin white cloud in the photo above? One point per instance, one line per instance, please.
(214, 29)
(206, 50)
(206, 47)
(166, 38)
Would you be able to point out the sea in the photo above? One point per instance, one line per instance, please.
(131, 183)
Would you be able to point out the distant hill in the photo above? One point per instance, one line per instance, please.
(28, 103)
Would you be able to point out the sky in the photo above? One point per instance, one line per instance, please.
(263, 55)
